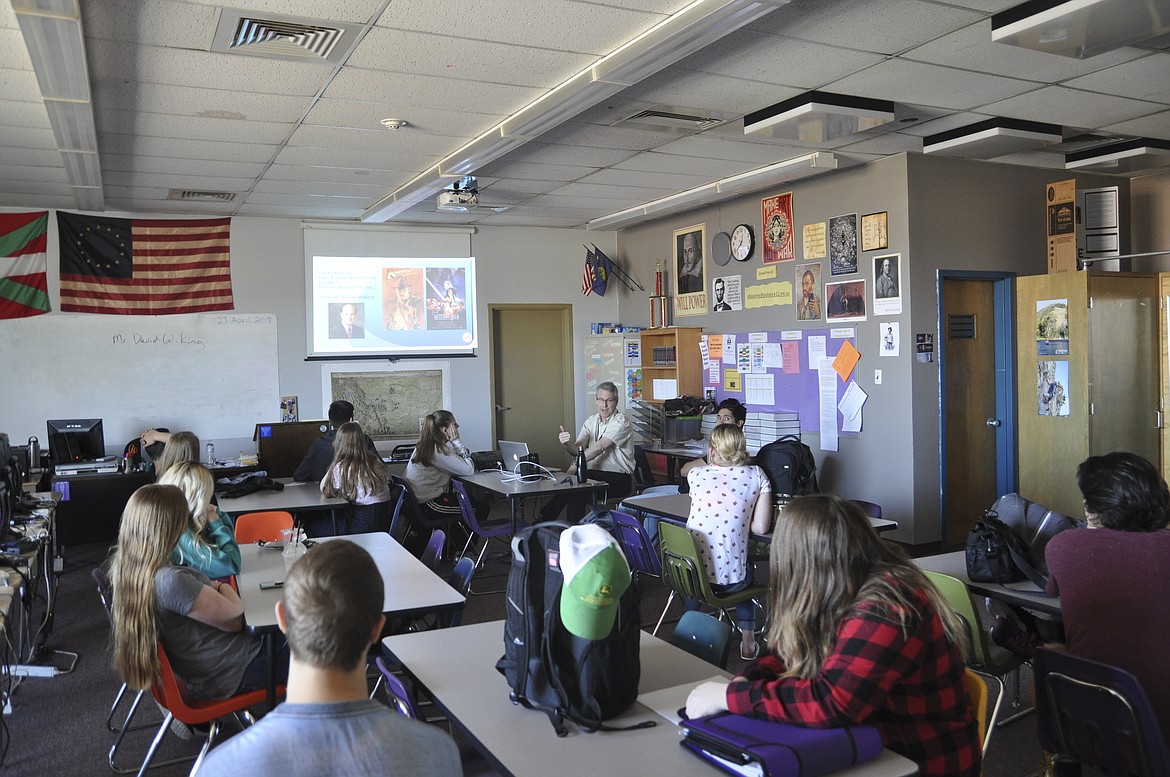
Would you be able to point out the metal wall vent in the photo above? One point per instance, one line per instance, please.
(673, 121)
(282, 37)
(201, 196)
(961, 326)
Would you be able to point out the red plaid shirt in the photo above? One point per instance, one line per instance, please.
(909, 687)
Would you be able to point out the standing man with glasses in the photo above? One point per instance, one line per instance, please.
(607, 438)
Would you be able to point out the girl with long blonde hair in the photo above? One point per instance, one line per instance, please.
(208, 543)
(359, 477)
(858, 635)
(177, 446)
(199, 622)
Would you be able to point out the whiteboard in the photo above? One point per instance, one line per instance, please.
(212, 373)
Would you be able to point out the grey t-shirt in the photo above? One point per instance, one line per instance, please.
(353, 738)
(212, 662)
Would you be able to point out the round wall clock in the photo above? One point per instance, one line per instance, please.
(743, 242)
(721, 248)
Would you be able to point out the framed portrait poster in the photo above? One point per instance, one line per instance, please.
(808, 288)
(779, 243)
(887, 285)
(846, 301)
(874, 236)
(690, 276)
(843, 244)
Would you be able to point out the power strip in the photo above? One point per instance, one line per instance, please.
(30, 670)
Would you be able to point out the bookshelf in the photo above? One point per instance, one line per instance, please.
(672, 353)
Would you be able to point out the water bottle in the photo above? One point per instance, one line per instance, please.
(210, 454)
(582, 469)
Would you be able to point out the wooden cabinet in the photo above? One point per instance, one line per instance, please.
(670, 357)
(1096, 392)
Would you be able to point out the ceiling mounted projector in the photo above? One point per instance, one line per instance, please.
(461, 200)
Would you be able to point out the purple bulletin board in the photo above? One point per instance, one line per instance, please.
(797, 392)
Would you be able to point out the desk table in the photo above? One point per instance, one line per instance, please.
(1022, 594)
(505, 485)
(411, 588)
(676, 453)
(677, 507)
(296, 497)
(456, 668)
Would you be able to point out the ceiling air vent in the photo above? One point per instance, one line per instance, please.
(1084, 141)
(674, 121)
(282, 37)
(200, 196)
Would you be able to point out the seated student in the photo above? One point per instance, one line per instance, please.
(208, 544)
(857, 635)
(730, 500)
(360, 478)
(608, 441)
(198, 621)
(177, 446)
(320, 455)
(438, 455)
(1112, 578)
(331, 612)
(730, 411)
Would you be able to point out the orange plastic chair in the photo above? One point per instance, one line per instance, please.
(168, 692)
(262, 526)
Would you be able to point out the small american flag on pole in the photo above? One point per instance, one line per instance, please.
(587, 279)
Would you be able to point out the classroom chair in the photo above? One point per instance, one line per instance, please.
(986, 656)
(871, 509)
(976, 688)
(266, 526)
(168, 692)
(414, 515)
(486, 531)
(1097, 715)
(704, 636)
(400, 696)
(460, 580)
(683, 574)
(434, 549)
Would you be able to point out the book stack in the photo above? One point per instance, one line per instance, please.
(763, 428)
(664, 355)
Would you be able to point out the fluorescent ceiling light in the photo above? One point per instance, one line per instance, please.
(992, 138)
(1139, 155)
(819, 117)
(56, 45)
(412, 192)
(761, 178)
(1081, 28)
(667, 42)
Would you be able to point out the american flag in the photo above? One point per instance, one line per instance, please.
(587, 279)
(144, 266)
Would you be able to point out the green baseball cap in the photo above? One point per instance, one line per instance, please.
(596, 575)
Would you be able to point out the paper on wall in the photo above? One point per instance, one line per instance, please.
(827, 380)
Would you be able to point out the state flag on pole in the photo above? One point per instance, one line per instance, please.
(144, 266)
(602, 267)
(24, 290)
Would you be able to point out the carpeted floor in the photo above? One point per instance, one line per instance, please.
(57, 725)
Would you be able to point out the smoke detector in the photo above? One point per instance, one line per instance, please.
(394, 124)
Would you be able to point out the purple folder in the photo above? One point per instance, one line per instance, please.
(743, 745)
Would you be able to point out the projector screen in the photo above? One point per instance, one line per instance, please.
(379, 306)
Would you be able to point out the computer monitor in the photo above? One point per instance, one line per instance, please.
(76, 439)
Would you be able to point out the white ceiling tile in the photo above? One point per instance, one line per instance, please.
(561, 26)
(944, 124)
(666, 181)
(29, 137)
(313, 200)
(13, 52)
(291, 211)
(230, 132)
(380, 141)
(61, 200)
(25, 172)
(19, 86)
(1033, 159)
(336, 157)
(426, 121)
(520, 220)
(884, 26)
(627, 137)
(972, 48)
(640, 193)
(570, 155)
(776, 59)
(325, 178)
(353, 11)
(35, 185)
(932, 85)
(400, 94)
(1147, 78)
(514, 187)
(658, 162)
(25, 115)
(403, 51)
(1061, 105)
(171, 165)
(1156, 125)
(168, 181)
(327, 189)
(731, 150)
(118, 60)
(890, 143)
(676, 86)
(45, 157)
(190, 101)
(182, 148)
(509, 167)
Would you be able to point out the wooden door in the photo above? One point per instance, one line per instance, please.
(970, 418)
(532, 376)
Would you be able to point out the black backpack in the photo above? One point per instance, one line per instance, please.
(790, 466)
(550, 669)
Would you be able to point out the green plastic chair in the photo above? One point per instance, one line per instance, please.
(683, 573)
(986, 656)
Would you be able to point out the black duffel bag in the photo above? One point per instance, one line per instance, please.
(1007, 544)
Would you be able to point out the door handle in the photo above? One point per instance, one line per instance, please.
(502, 408)
(994, 422)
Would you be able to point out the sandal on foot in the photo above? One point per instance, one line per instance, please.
(745, 655)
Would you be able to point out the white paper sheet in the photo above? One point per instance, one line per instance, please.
(827, 379)
(850, 407)
(665, 388)
(759, 389)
